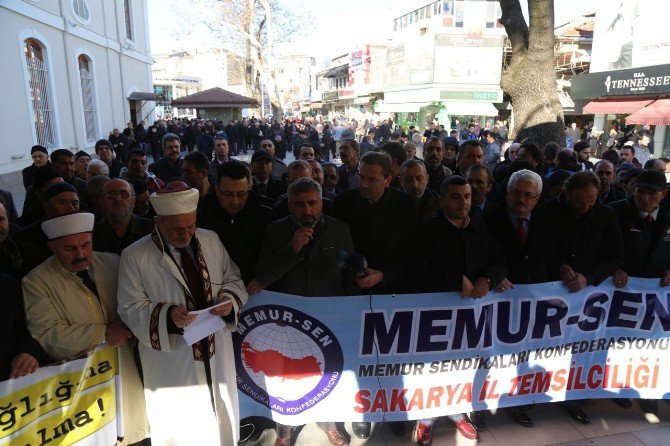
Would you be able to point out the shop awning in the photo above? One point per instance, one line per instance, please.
(465, 108)
(405, 107)
(656, 113)
(607, 106)
(337, 71)
(316, 105)
(143, 96)
(362, 100)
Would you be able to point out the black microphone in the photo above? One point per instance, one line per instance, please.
(355, 263)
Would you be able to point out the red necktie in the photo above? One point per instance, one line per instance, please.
(649, 218)
(192, 277)
(521, 233)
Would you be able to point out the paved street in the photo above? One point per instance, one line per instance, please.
(610, 426)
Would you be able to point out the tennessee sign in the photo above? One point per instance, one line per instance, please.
(406, 357)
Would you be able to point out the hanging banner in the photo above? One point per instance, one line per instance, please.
(406, 357)
(72, 403)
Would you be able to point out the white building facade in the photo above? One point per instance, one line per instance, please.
(73, 70)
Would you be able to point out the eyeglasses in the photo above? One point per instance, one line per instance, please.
(239, 195)
(116, 194)
(527, 195)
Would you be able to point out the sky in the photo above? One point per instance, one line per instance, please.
(336, 30)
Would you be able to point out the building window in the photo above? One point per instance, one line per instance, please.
(81, 12)
(88, 97)
(40, 93)
(128, 14)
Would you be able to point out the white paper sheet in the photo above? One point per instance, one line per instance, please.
(204, 324)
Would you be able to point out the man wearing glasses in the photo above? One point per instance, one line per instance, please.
(119, 228)
(237, 218)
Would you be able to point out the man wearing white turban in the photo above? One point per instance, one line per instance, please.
(190, 390)
(70, 302)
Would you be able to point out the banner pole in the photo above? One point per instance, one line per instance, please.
(118, 385)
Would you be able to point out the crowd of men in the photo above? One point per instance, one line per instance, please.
(205, 228)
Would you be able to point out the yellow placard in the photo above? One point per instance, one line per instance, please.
(26, 405)
(89, 413)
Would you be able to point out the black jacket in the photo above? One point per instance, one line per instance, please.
(105, 240)
(342, 173)
(590, 244)
(451, 253)
(525, 263)
(241, 234)
(166, 171)
(275, 188)
(314, 271)
(13, 331)
(647, 245)
(381, 233)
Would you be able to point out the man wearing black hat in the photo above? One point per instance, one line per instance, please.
(58, 199)
(40, 157)
(264, 183)
(105, 152)
(644, 219)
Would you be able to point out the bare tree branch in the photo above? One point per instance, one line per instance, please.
(515, 25)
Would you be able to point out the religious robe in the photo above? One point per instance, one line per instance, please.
(67, 319)
(183, 406)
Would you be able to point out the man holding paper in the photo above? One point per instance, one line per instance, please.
(164, 279)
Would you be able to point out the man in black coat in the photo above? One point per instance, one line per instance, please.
(523, 239)
(414, 182)
(644, 220)
(170, 166)
(20, 354)
(587, 244)
(348, 171)
(481, 182)
(381, 220)
(605, 171)
(237, 218)
(120, 227)
(461, 255)
(433, 153)
(264, 183)
(524, 244)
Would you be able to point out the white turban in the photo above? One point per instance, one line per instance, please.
(167, 202)
(68, 224)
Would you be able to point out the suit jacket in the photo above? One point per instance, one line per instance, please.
(343, 175)
(314, 271)
(275, 188)
(164, 170)
(451, 253)
(105, 240)
(647, 245)
(381, 233)
(241, 234)
(526, 263)
(590, 244)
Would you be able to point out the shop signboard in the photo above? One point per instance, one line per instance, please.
(468, 58)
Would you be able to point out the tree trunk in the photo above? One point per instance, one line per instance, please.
(530, 79)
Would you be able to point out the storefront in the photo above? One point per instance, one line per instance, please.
(637, 97)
